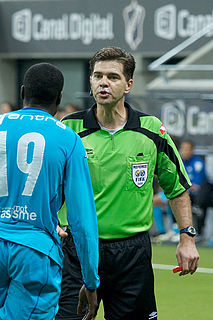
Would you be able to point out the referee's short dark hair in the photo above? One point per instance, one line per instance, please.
(43, 84)
(115, 53)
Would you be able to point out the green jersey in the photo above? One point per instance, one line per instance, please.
(122, 167)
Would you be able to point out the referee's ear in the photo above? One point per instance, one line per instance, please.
(129, 85)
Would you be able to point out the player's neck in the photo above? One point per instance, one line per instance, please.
(111, 117)
(51, 109)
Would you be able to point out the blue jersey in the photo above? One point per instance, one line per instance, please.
(195, 167)
(41, 161)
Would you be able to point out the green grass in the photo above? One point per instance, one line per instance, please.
(181, 298)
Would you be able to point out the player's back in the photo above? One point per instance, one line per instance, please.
(34, 148)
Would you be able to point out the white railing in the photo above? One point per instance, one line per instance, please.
(157, 65)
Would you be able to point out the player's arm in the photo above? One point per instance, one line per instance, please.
(82, 220)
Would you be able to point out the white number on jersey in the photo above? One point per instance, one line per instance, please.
(3, 164)
(31, 169)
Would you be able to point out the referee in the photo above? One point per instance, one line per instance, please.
(125, 149)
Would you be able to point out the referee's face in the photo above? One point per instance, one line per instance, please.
(108, 82)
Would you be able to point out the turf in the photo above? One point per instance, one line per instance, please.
(181, 298)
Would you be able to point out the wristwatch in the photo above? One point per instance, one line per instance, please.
(191, 231)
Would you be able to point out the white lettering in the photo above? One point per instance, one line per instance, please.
(13, 116)
(50, 29)
(7, 214)
(93, 27)
(50, 118)
(3, 213)
(2, 116)
(26, 115)
(17, 212)
(33, 216)
(61, 125)
(199, 122)
(75, 31)
(74, 26)
(87, 31)
(23, 213)
(202, 122)
(189, 24)
(36, 21)
(3, 164)
(192, 117)
(33, 117)
(38, 117)
(181, 23)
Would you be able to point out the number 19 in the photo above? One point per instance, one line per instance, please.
(31, 169)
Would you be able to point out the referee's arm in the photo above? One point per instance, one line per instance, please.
(187, 255)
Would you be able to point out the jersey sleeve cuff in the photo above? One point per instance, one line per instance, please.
(93, 289)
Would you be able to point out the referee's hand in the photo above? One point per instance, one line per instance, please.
(61, 232)
(187, 255)
(89, 298)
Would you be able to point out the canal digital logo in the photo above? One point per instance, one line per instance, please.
(165, 22)
(182, 118)
(173, 117)
(75, 26)
(169, 22)
(21, 25)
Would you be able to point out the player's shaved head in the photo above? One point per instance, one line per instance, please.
(43, 84)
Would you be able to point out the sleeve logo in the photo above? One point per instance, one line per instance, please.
(162, 129)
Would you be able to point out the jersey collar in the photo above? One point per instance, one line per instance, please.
(34, 108)
(91, 122)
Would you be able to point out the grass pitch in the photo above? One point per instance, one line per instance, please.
(181, 298)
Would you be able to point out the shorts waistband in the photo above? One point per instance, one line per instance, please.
(139, 238)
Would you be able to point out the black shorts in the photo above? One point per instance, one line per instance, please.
(127, 281)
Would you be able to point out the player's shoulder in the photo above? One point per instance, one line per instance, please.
(66, 133)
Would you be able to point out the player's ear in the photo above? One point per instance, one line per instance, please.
(22, 92)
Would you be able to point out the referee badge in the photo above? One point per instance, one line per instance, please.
(139, 174)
